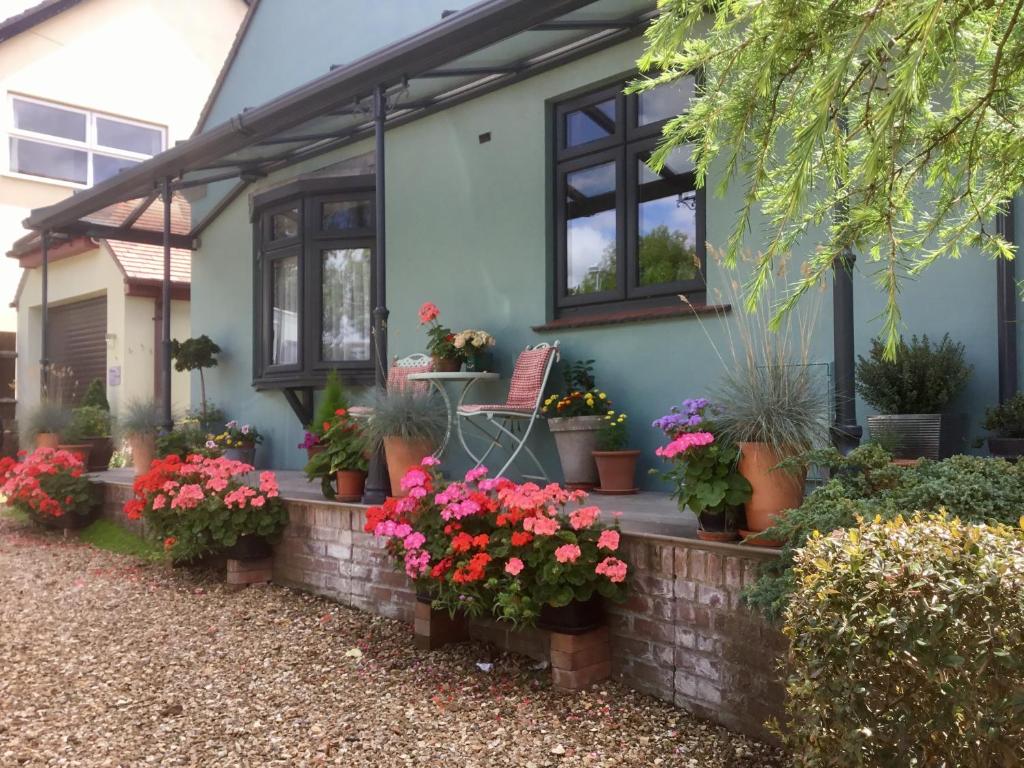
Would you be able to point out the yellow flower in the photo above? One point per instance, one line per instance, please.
(603, 396)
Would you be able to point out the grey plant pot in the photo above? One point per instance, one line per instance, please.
(919, 435)
(576, 440)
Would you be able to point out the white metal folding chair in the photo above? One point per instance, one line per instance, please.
(513, 420)
(398, 380)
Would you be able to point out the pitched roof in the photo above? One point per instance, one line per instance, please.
(140, 261)
(211, 97)
(30, 17)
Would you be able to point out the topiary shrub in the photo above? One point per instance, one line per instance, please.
(96, 396)
(921, 379)
(907, 646)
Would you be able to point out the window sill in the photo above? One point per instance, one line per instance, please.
(621, 317)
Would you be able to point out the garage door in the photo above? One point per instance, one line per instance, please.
(78, 340)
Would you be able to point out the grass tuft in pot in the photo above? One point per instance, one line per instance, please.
(406, 414)
(48, 418)
(140, 418)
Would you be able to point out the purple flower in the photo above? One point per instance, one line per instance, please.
(245, 429)
(308, 441)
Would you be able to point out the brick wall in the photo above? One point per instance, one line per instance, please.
(683, 635)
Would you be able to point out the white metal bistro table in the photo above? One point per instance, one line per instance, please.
(437, 380)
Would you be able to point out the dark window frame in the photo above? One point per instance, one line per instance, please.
(308, 196)
(629, 142)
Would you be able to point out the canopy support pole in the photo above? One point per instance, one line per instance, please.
(165, 313)
(1006, 310)
(377, 479)
(44, 350)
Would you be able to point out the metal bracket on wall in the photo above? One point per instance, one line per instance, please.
(300, 399)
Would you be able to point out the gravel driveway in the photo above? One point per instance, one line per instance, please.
(106, 662)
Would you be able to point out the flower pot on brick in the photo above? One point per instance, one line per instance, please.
(140, 421)
(409, 423)
(773, 489)
(575, 420)
(616, 466)
(46, 422)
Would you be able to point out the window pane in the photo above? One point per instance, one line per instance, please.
(665, 101)
(590, 235)
(132, 138)
(103, 167)
(29, 116)
(284, 343)
(667, 226)
(590, 123)
(345, 322)
(38, 159)
(284, 224)
(345, 214)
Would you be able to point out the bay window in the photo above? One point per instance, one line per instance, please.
(314, 242)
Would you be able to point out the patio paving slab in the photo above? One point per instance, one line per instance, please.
(109, 661)
(651, 513)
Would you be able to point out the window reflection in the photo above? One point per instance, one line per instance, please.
(591, 123)
(285, 306)
(665, 101)
(591, 229)
(345, 318)
(667, 221)
(345, 214)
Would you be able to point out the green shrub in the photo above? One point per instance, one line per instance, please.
(1007, 419)
(867, 484)
(185, 439)
(922, 379)
(88, 421)
(96, 396)
(907, 647)
(332, 400)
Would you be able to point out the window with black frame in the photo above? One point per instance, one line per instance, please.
(626, 236)
(314, 282)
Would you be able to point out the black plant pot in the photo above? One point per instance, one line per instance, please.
(919, 435)
(249, 547)
(573, 619)
(1011, 448)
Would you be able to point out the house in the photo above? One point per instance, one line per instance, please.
(89, 88)
(488, 161)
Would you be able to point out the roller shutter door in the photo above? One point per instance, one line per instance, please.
(78, 340)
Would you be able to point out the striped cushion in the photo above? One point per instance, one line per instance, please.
(467, 409)
(528, 378)
(398, 378)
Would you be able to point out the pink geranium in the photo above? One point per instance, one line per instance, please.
(613, 568)
(542, 526)
(609, 540)
(684, 442)
(428, 312)
(514, 566)
(584, 517)
(568, 553)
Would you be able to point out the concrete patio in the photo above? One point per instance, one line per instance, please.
(648, 513)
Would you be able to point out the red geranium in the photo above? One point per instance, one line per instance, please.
(46, 483)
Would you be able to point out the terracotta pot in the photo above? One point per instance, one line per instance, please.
(102, 448)
(617, 471)
(401, 454)
(47, 440)
(572, 619)
(143, 448)
(447, 364)
(576, 440)
(772, 491)
(350, 485)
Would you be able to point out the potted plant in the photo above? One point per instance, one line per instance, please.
(46, 422)
(342, 458)
(616, 466)
(197, 354)
(140, 421)
(704, 469)
(238, 442)
(332, 400)
(410, 425)
(575, 419)
(441, 340)
(490, 547)
(49, 486)
(203, 505)
(90, 427)
(911, 393)
(1006, 422)
(475, 347)
(187, 438)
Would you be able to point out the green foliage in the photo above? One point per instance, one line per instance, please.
(332, 400)
(88, 421)
(706, 480)
(582, 397)
(921, 378)
(406, 413)
(867, 484)
(96, 396)
(105, 534)
(139, 418)
(184, 440)
(48, 418)
(579, 376)
(342, 447)
(194, 354)
(1007, 419)
(886, 126)
(614, 434)
(907, 646)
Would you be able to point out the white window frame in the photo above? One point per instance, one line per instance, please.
(90, 146)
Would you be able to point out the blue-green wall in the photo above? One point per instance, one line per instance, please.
(468, 230)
